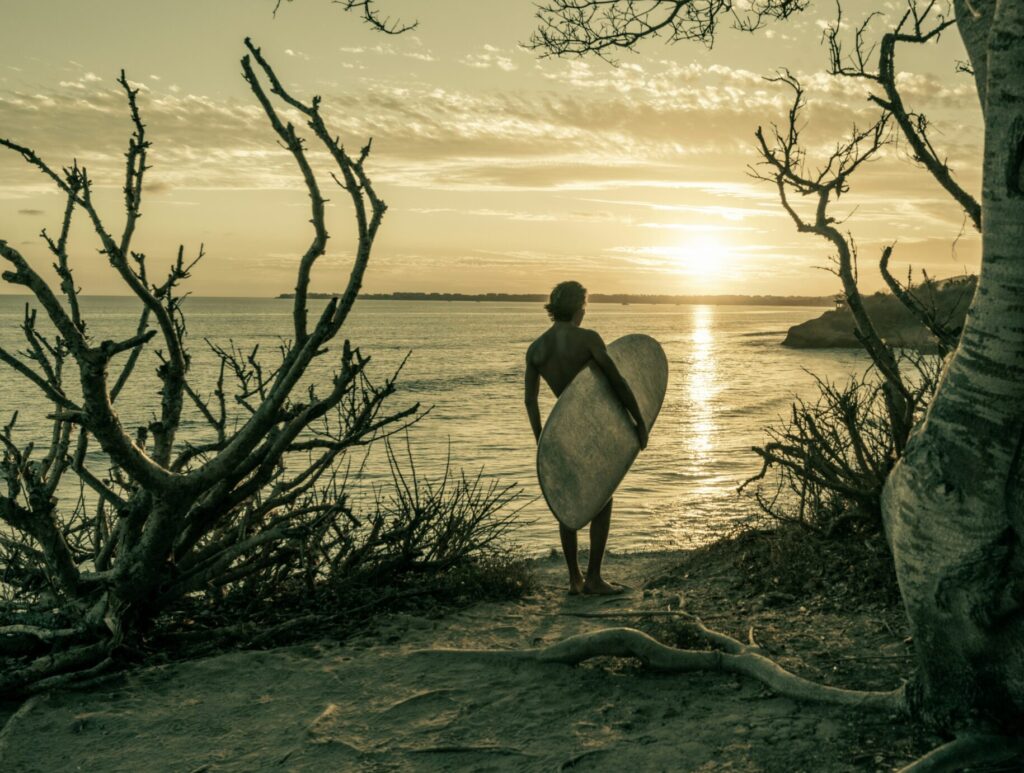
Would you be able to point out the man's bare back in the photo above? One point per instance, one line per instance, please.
(557, 356)
(561, 353)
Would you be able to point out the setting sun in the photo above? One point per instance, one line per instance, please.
(702, 256)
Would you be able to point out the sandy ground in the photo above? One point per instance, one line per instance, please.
(373, 704)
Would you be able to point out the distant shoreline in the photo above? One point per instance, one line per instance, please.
(713, 300)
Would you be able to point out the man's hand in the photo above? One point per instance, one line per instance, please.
(641, 434)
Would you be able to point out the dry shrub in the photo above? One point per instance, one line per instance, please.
(818, 525)
(824, 468)
(427, 543)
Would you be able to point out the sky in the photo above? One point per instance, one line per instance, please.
(503, 171)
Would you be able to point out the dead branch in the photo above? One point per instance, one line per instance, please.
(371, 16)
(603, 27)
(734, 658)
(367, 9)
(670, 613)
(785, 161)
(919, 25)
(947, 337)
(57, 664)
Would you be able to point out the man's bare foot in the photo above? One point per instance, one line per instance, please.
(599, 587)
(576, 585)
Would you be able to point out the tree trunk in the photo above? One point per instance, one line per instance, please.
(953, 504)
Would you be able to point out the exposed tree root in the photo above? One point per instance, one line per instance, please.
(737, 658)
(42, 634)
(57, 664)
(79, 679)
(967, 751)
(8, 730)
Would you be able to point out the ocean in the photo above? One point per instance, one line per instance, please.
(729, 377)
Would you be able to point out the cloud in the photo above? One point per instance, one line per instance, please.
(521, 215)
(661, 147)
(31, 212)
(491, 56)
(379, 49)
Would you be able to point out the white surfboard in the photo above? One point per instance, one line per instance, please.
(589, 441)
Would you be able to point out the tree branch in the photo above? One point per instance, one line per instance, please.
(947, 338)
(602, 27)
(917, 26)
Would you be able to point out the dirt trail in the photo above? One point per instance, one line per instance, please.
(373, 705)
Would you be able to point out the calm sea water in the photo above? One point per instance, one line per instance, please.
(729, 377)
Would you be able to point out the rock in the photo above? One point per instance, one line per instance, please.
(893, 321)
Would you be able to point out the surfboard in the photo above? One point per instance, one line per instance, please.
(589, 441)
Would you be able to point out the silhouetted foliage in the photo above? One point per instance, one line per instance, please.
(824, 468)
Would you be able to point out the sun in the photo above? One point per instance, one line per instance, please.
(707, 247)
(700, 255)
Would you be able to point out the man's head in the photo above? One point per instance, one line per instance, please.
(567, 303)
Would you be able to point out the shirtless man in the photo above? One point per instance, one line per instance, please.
(557, 356)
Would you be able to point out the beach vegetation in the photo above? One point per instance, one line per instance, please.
(114, 538)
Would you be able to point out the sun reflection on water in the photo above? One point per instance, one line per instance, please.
(701, 379)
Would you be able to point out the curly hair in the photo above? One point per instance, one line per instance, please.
(566, 299)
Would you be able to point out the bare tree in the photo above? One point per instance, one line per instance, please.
(836, 454)
(952, 514)
(172, 516)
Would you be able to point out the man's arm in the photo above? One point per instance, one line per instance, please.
(600, 354)
(532, 388)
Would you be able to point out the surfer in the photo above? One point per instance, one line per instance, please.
(557, 356)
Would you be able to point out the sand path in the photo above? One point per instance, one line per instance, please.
(371, 705)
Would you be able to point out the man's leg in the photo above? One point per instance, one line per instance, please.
(569, 550)
(598, 539)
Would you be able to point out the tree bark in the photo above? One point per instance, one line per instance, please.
(953, 504)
